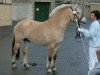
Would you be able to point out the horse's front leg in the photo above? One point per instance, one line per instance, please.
(54, 57)
(25, 53)
(52, 53)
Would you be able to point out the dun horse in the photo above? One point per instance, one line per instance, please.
(49, 33)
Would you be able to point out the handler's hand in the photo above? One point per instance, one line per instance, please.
(80, 29)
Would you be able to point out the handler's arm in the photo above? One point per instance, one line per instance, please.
(89, 33)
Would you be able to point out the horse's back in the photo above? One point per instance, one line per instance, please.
(25, 24)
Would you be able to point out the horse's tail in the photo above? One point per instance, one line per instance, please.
(13, 52)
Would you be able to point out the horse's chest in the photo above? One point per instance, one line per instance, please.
(59, 38)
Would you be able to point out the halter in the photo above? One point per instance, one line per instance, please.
(75, 14)
(78, 34)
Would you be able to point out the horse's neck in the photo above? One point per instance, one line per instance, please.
(63, 22)
(62, 19)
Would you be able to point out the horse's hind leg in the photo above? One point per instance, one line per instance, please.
(15, 51)
(25, 52)
(16, 47)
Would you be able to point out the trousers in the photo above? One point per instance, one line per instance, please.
(92, 59)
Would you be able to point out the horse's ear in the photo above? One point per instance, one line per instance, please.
(74, 6)
(80, 4)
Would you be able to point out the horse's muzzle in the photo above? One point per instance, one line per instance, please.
(83, 19)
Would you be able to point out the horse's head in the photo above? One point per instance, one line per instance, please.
(77, 13)
(77, 16)
(73, 11)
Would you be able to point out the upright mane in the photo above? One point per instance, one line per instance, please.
(58, 8)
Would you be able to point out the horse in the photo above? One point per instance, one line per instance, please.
(48, 33)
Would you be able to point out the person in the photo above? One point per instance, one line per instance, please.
(93, 35)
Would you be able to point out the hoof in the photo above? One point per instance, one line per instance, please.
(54, 69)
(49, 70)
(14, 67)
(27, 66)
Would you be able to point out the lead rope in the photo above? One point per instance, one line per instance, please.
(84, 47)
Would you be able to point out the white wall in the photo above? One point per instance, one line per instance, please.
(95, 6)
(22, 11)
(6, 1)
(5, 15)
